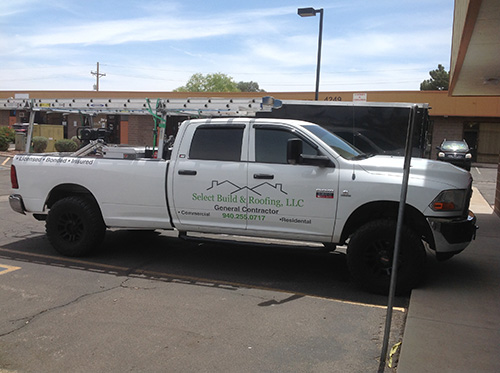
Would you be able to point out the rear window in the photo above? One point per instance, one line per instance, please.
(217, 144)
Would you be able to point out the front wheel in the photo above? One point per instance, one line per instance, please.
(370, 254)
(75, 226)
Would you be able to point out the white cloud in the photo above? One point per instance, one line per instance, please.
(10, 8)
(158, 45)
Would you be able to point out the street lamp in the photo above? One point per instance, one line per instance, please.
(311, 12)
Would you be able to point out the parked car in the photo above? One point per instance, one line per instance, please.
(20, 127)
(271, 178)
(456, 152)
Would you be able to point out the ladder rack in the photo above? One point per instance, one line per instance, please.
(205, 107)
(159, 108)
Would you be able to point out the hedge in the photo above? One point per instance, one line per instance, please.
(65, 145)
(40, 144)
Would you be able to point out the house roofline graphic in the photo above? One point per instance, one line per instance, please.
(278, 187)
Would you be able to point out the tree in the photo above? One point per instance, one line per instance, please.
(217, 82)
(439, 81)
(249, 87)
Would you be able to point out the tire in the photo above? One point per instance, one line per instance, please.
(370, 254)
(75, 226)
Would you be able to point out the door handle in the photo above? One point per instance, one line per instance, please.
(187, 172)
(263, 176)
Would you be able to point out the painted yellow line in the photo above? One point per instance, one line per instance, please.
(4, 162)
(64, 259)
(4, 268)
(191, 279)
(240, 285)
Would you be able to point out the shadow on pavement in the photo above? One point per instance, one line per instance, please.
(297, 270)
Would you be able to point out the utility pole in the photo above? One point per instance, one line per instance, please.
(97, 74)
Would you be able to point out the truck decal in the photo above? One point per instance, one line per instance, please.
(55, 160)
(278, 187)
(324, 193)
(251, 207)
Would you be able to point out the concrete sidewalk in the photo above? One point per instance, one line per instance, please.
(453, 322)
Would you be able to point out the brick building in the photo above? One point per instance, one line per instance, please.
(477, 119)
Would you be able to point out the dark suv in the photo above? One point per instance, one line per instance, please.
(456, 152)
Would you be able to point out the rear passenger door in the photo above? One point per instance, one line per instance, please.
(210, 178)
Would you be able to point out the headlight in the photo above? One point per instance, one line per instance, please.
(468, 156)
(449, 200)
(441, 155)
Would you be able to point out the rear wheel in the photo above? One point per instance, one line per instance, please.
(75, 226)
(370, 255)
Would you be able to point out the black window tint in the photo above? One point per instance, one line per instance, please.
(271, 145)
(218, 144)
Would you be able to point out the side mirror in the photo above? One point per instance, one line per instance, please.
(293, 151)
(316, 160)
(294, 155)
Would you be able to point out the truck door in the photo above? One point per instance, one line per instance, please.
(210, 176)
(289, 200)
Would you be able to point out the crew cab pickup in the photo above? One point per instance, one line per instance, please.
(271, 178)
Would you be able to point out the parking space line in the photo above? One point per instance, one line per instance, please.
(4, 268)
(5, 161)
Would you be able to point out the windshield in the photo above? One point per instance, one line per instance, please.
(344, 149)
(454, 146)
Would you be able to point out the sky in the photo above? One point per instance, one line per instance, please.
(157, 45)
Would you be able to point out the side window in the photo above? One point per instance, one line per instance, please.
(217, 144)
(271, 145)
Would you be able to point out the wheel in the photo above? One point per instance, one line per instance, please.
(370, 253)
(75, 226)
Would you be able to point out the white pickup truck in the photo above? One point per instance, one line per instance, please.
(273, 178)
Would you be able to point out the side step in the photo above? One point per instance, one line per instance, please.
(256, 241)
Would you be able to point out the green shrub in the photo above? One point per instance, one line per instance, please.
(65, 145)
(4, 144)
(7, 136)
(76, 140)
(40, 144)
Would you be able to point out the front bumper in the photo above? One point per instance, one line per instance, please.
(17, 204)
(453, 236)
(459, 162)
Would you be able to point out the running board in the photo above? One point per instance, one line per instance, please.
(256, 241)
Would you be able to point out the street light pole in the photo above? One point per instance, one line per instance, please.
(310, 12)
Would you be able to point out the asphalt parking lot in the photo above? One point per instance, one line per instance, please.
(156, 303)
(151, 302)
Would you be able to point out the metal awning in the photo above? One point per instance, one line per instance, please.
(475, 54)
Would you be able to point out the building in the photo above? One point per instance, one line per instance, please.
(476, 119)
(470, 110)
